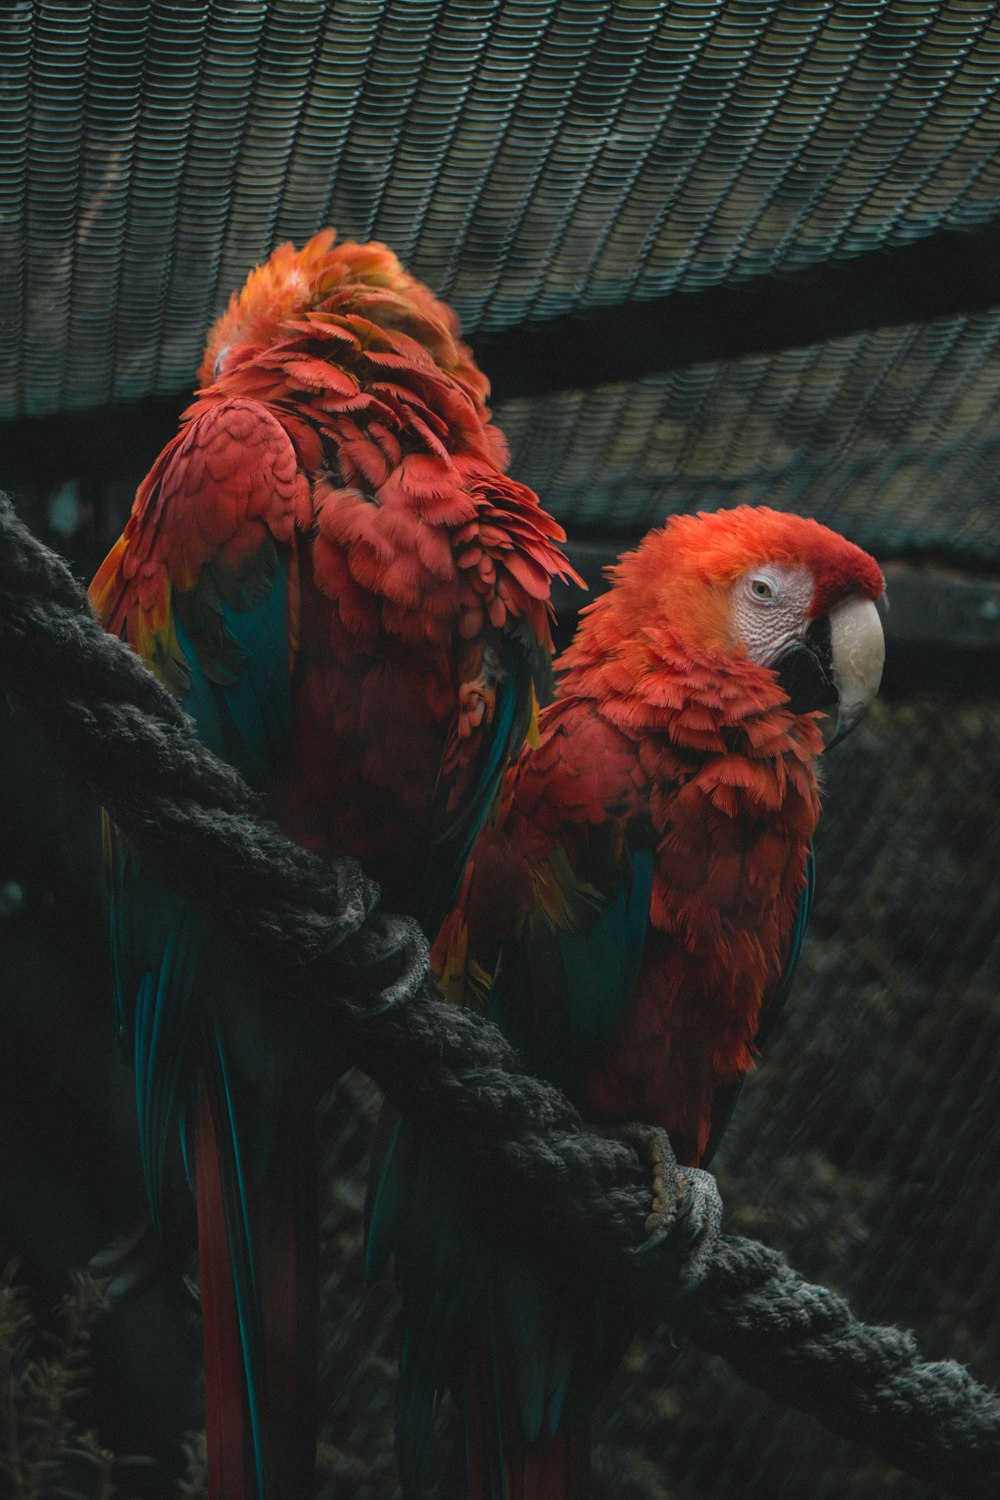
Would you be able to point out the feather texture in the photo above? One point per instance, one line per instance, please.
(330, 569)
(631, 911)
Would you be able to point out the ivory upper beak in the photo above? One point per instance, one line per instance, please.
(857, 654)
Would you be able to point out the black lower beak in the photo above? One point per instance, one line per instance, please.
(805, 671)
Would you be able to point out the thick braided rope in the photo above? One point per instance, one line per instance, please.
(365, 972)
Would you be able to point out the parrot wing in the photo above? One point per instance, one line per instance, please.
(199, 585)
(726, 1098)
(567, 974)
(472, 775)
(547, 935)
(505, 674)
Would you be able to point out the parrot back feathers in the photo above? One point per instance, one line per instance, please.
(329, 569)
(353, 299)
(336, 482)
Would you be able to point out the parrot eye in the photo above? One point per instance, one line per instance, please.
(761, 588)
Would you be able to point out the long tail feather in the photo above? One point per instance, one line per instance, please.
(287, 1249)
(502, 1465)
(257, 1246)
(232, 1472)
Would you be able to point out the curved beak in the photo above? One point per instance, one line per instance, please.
(857, 655)
(838, 666)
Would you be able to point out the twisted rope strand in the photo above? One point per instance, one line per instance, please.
(193, 816)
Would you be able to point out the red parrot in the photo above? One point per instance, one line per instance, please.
(330, 569)
(629, 918)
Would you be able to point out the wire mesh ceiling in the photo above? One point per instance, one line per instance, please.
(530, 159)
(891, 435)
(527, 158)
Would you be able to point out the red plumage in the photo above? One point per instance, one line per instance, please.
(331, 569)
(664, 723)
(628, 914)
(410, 548)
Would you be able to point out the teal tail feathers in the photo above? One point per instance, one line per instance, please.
(230, 1459)
(502, 1465)
(484, 1323)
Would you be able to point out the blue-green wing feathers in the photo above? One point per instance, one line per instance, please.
(562, 991)
(190, 1002)
(481, 1319)
(449, 851)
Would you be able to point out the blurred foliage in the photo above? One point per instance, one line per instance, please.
(47, 1449)
(42, 1378)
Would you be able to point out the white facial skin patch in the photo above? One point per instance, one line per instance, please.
(771, 610)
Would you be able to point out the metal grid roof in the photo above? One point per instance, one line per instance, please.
(526, 158)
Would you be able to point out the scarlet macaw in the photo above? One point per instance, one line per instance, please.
(629, 914)
(330, 569)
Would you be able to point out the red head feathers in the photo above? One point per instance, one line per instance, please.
(719, 546)
(726, 597)
(675, 576)
(715, 548)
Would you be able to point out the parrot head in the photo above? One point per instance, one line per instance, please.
(764, 587)
(802, 602)
(360, 288)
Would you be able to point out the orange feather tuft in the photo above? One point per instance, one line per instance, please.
(294, 286)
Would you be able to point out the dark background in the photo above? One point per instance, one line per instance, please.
(743, 252)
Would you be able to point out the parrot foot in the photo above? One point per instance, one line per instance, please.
(686, 1205)
(702, 1214)
(653, 1147)
(388, 961)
